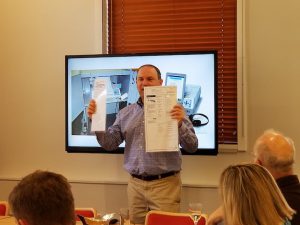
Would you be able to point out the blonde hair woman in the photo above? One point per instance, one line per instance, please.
(251, 197)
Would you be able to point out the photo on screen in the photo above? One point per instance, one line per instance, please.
(194, 74)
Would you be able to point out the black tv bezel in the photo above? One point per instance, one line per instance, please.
(120, 150)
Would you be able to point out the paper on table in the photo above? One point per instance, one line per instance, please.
(99, 95)
(161, 131)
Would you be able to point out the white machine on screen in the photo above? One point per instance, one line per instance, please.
(188, 94)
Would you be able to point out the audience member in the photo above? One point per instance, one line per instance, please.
(43, 198)
(275, 152)
(250, 196)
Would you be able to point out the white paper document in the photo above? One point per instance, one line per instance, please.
(161, 131)
(99, 95)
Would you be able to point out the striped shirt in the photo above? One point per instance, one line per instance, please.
(129, 126)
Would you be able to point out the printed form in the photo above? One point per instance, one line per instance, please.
(161, 131)
(99, 95)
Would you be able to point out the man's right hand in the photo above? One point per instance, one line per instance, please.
(92, 108)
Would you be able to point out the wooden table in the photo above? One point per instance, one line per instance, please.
(10, 220)
(7, 220)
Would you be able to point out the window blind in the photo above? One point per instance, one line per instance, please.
(144, 26)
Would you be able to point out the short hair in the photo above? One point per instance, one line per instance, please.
(154, 67)
(43, 197)
(275, 150)
(251, 196)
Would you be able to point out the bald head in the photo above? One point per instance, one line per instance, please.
(275, 152)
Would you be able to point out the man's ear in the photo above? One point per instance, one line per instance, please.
(22, 222)
(258, 161)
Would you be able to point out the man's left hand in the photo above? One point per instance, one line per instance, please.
(178, 113)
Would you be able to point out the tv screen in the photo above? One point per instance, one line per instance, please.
(194, 74)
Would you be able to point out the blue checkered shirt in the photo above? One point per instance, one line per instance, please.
(129, 126)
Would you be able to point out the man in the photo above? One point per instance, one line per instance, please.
(155, 181)
(43, 198)
(275, 152)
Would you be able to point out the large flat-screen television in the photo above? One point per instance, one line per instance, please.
(194, 74)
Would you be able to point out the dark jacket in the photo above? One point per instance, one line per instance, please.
(290, 188)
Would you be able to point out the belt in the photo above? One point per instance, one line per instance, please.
(154, 177)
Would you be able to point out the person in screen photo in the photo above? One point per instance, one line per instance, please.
(155, 181)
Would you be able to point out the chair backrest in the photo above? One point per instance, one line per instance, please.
(168, 218)
(85, 212)
(4, 208)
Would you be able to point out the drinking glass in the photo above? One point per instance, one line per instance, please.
(124, 213)
(195, 208)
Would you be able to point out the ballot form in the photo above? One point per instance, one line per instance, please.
(99, 95)
(161, 131)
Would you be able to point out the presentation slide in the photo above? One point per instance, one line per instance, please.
(194, 74)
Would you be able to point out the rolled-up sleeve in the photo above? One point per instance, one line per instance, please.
(112, 138)
(187, 137)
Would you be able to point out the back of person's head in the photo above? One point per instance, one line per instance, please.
(251, 197)
(275, 152)
(43, 198)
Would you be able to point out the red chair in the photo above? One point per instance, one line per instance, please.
(168, 218)
(85, 212)
(4, 208)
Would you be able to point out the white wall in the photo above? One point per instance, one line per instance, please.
(272, 37)
(37, 34)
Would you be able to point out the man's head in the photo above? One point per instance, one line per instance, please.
(148, 75)
(44, 198)
(275, 152)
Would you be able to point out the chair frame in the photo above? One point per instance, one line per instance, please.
(87, 209)
(6, 205)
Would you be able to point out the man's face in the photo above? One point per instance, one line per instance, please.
(147, 76)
